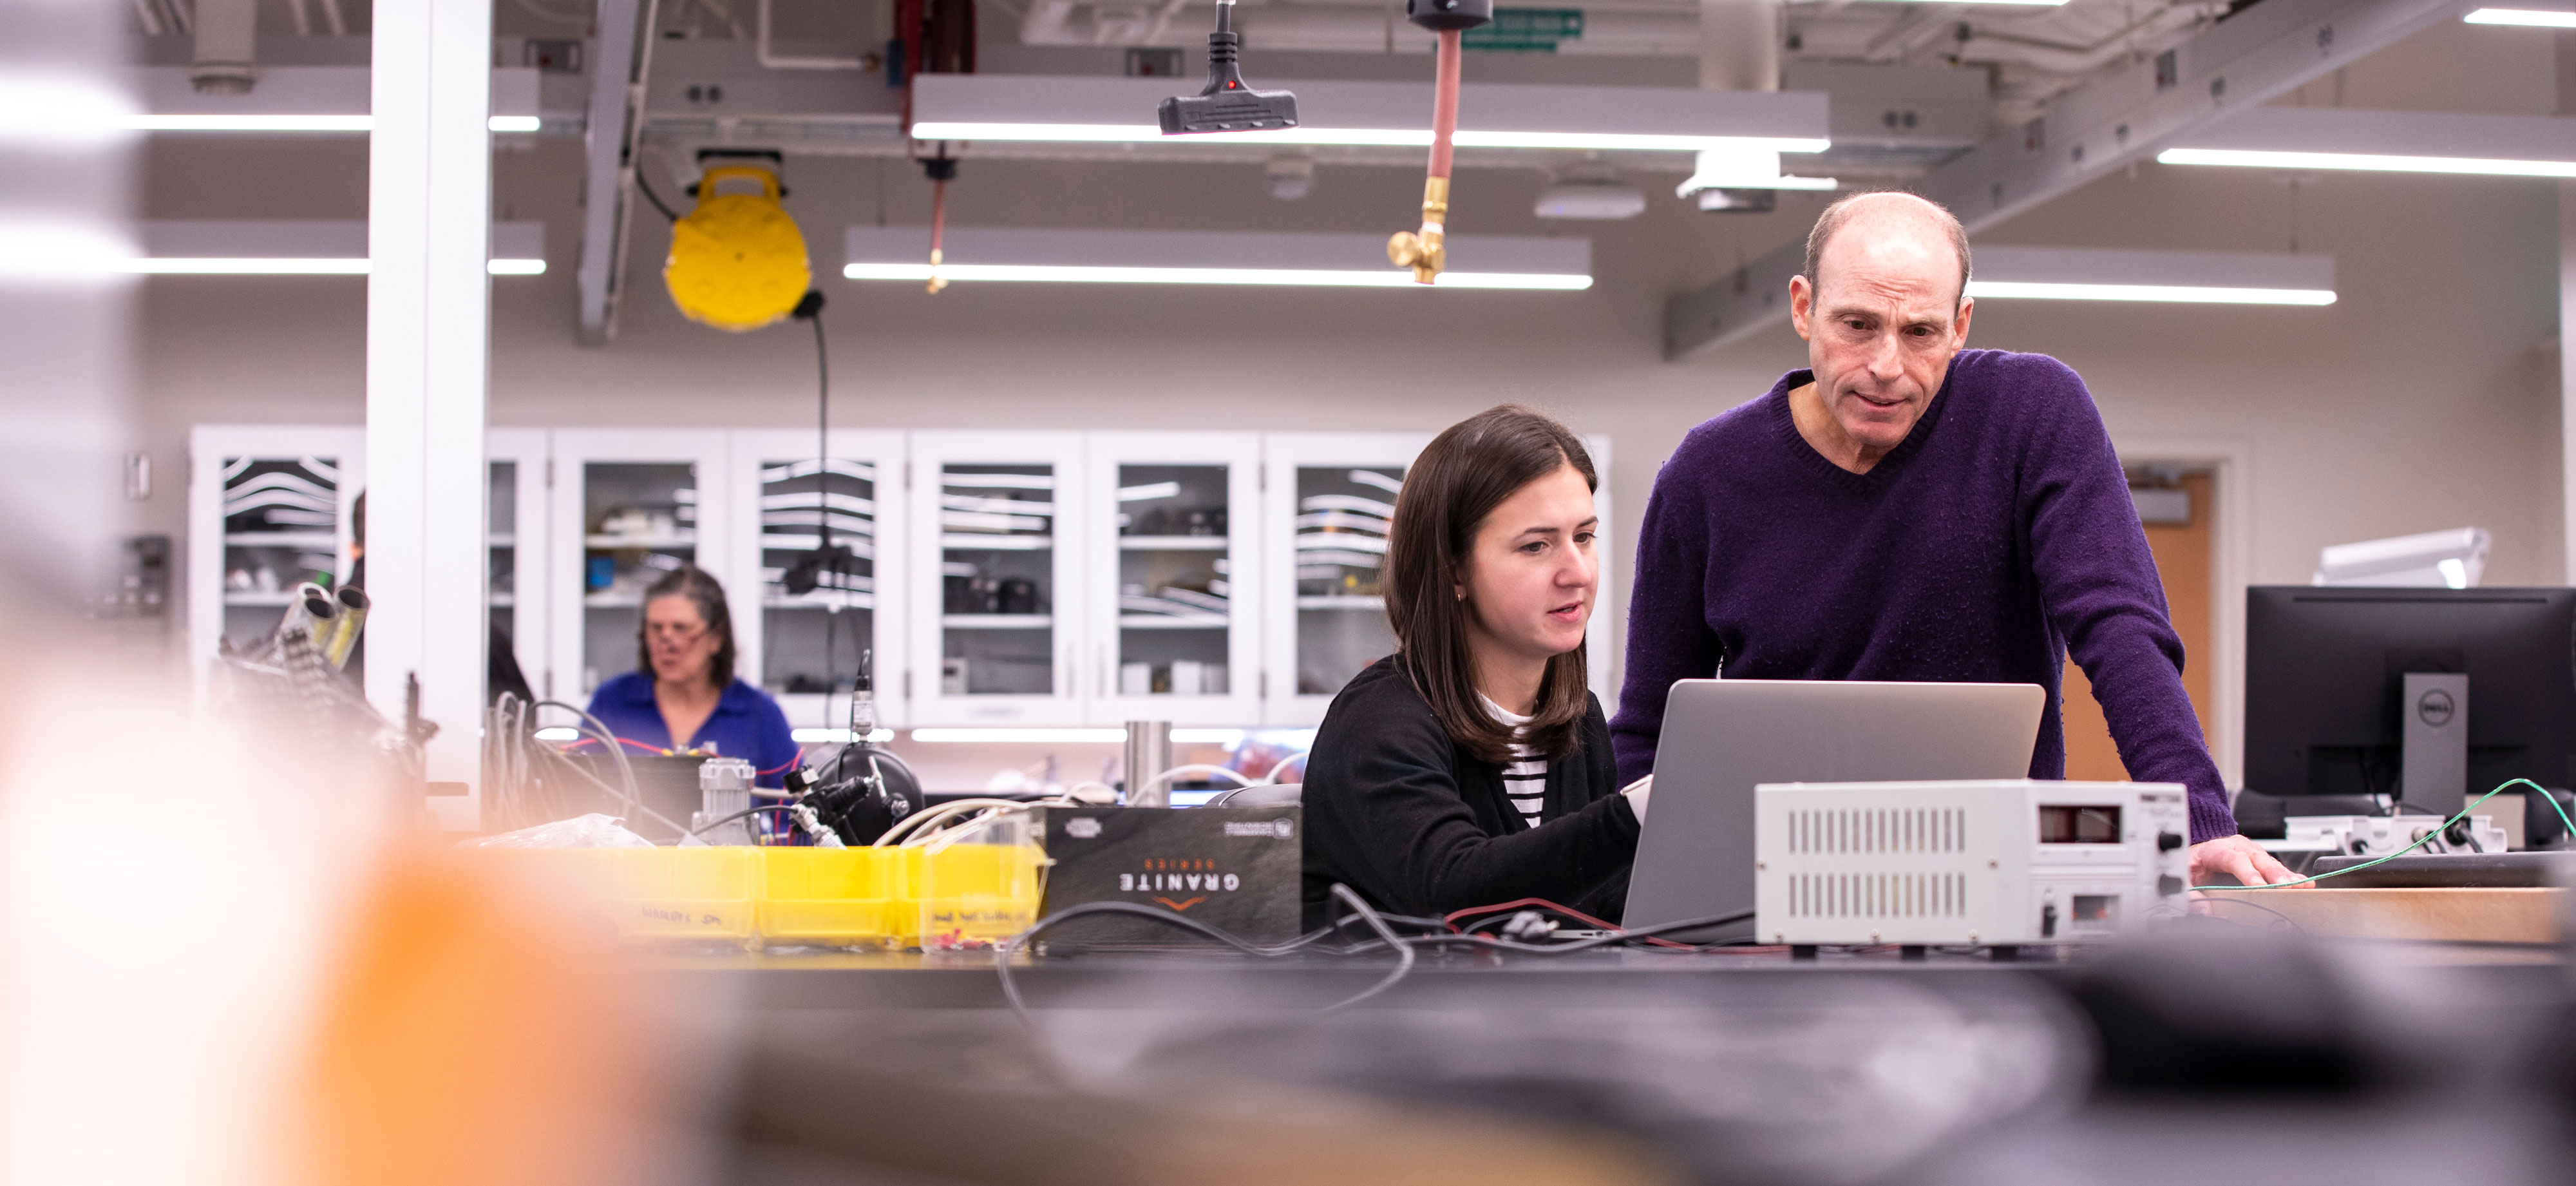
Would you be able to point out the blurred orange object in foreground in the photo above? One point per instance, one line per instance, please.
(474, 1035)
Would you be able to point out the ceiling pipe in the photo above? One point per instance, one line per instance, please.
(1739, 45)
(778, 61)
(1344, 29)
(226, 60)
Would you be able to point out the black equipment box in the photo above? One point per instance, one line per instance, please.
(1237, 869)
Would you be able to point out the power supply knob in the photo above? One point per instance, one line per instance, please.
(2168, 841)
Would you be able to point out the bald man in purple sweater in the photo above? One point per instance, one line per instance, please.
(1907, 509)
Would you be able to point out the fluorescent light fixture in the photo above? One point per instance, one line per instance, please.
(1209, 257)
(297, 249)
(1228, 738)
(59, 109)
(1022, 736)
(2185, 277)
(297, 99)
(2186, 294)
(2528, 18)
(248, 122)
(2385, 141)
(2371, 162)
(835, 736)
(559, 733)
(1379, 114)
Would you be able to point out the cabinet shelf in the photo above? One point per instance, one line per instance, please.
(1173, 622)
(1342, 602)
(1172, 543)
(820, 600)
(996, 543)
(996, 621)
(280, 539)
(257, 599)
(612, 601)
(504, 600)
(640, 543)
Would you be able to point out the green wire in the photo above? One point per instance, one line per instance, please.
(2545, 797)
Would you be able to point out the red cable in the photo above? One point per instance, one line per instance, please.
(791, 764)
(1444, 102)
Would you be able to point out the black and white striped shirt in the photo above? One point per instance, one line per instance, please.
(1525, 780)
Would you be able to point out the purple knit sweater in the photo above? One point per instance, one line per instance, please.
(1996, 538)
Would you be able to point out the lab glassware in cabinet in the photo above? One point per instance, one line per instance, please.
(1329, 502)
(827, 542)
(642, 504)
(269, 509)
(999, 555)
(1174, 623)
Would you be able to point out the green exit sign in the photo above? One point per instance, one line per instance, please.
(1527, 30)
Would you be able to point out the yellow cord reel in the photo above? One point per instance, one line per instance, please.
(737, 261)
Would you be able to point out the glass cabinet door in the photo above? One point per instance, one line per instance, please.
(821, 616)
(1174, 520)
(279, 500)
(998, 561)
(1330, 497)
(516, 536)
(641, 505)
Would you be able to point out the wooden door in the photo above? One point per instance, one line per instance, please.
(2184, 553)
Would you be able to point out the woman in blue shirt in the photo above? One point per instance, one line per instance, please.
(683, 696)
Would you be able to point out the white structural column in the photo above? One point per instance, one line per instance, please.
(2567, 324)
(2567, 376)
(429, 225)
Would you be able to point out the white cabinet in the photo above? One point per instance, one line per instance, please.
(1328, 500)
(269, 508)
(1219, 579)
(1173, 619)
(996, 578)
(629, 505)
(516, 502)
(817, 621)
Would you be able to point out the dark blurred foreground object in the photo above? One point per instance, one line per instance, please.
(2214, 1007)
(812, 1111)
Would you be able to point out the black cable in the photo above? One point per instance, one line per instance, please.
(2294, 923)
(647, 188)
(1381, 923)
(1403, 950)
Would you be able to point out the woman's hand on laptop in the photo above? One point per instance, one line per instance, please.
(2239, 858)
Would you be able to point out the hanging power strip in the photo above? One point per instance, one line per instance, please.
(1990, 862)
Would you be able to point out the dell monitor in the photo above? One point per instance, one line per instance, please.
(2326, 708)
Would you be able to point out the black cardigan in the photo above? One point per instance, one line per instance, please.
(1397, 811)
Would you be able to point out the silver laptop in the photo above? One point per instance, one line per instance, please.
(1723, 736)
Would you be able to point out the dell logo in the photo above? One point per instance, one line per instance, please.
(2434, 708)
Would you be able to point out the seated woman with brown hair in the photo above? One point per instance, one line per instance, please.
(1473, 766)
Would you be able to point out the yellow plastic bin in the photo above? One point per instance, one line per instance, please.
(976, 890)
(706, 893)
(839, 897)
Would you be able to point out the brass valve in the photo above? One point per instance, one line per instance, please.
(1422, 250)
